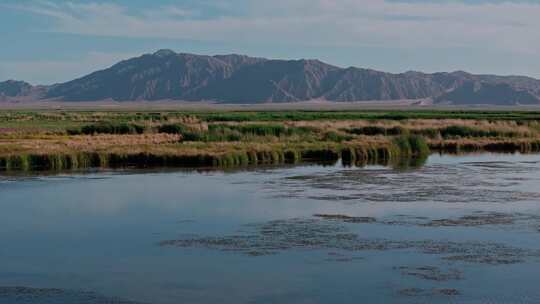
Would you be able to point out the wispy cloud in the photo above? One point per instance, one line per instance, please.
(509, 26)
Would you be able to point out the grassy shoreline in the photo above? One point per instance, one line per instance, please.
(66, 140)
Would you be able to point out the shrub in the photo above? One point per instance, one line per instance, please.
(369, 130)
(411, 145)
(262, 130)
(418, 145)
(427, 132)
(107, 128)
(193, 136)
(376, 130)
(396, 131)
(73, 131)
(464, 131)
(172, 129)
(461, 131)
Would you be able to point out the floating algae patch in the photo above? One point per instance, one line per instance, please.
(476, 219)
(431, 273)
(279, 236)
(340, 257)
(516, 220)
(27, 295)
(346, 218)
(420, 292)
(481, 219)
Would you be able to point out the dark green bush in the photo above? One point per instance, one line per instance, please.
(193, 136)
(369, 130)
(73, 131)
(172, 129)
(376, 130)
(262, 130)
(396, 131)
(464, 131)
(418, 145)
(411, 145)
(107, 128)
(461, 131)
(428, 132)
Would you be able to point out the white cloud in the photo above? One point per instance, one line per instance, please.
(504, 26)
(54, 71)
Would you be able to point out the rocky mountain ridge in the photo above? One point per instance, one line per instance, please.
(167, 75)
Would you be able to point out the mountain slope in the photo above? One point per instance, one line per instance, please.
(242, 79)
(13, 88)
(163, 75)
(273, 81)
(487, 93)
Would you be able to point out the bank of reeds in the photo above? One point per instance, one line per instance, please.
(66, 141)
(220, 155)
(479, 145)
(447, 132)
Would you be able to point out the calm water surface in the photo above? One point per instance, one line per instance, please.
(461, 229)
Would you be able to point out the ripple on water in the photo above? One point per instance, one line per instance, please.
(27, 295)
(495, 182)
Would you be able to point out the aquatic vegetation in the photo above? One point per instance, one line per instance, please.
(277, 236)
(21, 294)
(431, 273)
(59, 140)
(412, 145)
(378, 130)
(477, 219)
(368, 114)
(346, 218)
(419, 292)
(465, 131)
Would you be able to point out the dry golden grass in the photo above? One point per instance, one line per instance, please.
(87, 143)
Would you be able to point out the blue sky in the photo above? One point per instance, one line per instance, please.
(46, 41)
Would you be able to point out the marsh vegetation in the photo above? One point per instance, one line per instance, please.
(60, 140)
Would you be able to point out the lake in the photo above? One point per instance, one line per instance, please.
(460, 229)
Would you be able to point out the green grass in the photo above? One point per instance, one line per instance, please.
(223, 132)
(368, 115)
(51, 118)
(449, 132)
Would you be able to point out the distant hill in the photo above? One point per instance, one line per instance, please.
(12, 88)
(242, 79)
(488, 93)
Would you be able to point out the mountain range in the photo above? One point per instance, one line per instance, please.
(167, 75)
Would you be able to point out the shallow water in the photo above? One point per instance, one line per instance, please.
(461, 229)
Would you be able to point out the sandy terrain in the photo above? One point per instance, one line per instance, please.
(207, 106)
